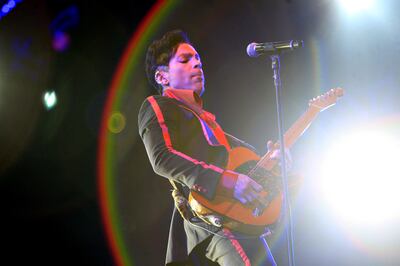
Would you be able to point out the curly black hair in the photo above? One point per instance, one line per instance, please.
(160, 53)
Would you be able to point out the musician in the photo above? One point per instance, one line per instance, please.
(185, 144)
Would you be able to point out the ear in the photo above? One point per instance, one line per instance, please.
(162, 76)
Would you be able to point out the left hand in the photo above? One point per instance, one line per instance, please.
(276, 154)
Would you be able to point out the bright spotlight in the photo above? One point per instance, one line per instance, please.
(361, 178)
(355, 6)
(49, 99)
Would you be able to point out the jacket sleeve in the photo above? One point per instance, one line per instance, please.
(158, 126)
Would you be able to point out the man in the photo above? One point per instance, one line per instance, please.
(186, 145)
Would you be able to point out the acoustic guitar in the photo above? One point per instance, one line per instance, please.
(228, 212)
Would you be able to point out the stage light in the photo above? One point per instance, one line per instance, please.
(65, 20)
(355, 6)
(11, 4)
(360, 178)
(49, 99)
(61, 41)
(7, 7)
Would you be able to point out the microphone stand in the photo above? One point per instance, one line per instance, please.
(286, 204)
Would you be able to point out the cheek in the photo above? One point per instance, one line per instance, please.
(179, 76)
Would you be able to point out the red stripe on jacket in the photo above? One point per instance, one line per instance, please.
(237, 246)
(167, 138)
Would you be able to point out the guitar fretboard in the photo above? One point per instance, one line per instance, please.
(292, 135)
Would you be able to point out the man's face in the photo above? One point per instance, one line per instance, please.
(185, 70)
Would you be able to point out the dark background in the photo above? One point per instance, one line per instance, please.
(48, 158)
(51, 214)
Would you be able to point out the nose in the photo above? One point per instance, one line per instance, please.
(197, 63)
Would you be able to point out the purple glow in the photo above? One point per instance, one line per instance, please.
(61, 41)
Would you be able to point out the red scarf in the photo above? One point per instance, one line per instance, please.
(192, 100)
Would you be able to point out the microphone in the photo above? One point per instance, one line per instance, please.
(269, 48)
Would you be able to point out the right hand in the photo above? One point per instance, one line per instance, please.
(247, 190)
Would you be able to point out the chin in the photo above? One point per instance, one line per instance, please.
(199, 91)
(199, 88)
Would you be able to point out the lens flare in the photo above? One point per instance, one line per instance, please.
(49, 99)
(360, 178)
(356, 6)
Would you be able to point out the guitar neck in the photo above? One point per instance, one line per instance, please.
(292, 134)
(300, 126)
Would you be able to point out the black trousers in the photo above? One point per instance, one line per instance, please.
(231, 249)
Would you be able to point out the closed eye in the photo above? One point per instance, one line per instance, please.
(185, 60)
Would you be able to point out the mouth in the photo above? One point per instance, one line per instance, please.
(198, 79)
(198, 76)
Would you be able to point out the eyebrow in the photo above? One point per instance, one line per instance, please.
(189, 55)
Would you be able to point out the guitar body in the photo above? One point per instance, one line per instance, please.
(235, 215)
(224, 210)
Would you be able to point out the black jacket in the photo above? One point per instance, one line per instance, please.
(178, 149)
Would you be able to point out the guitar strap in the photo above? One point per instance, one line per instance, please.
(181, 202)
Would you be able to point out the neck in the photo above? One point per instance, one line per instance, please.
(187, 96)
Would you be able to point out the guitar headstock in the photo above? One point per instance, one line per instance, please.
(327, 99)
